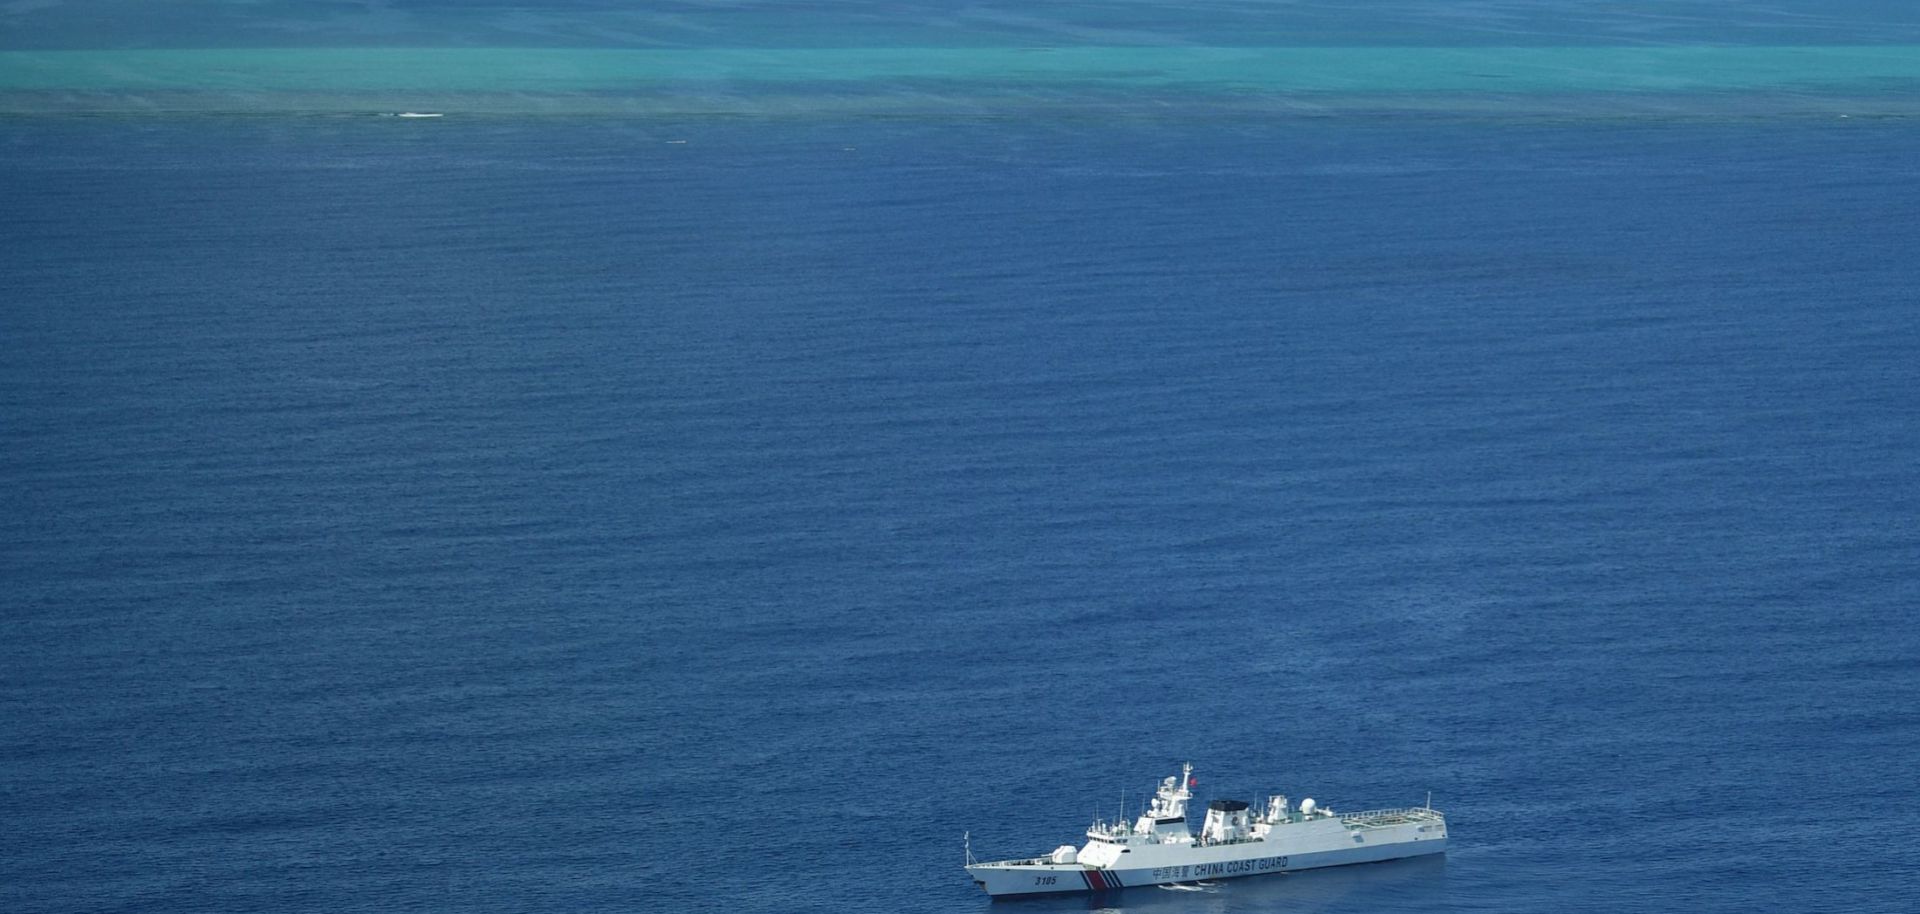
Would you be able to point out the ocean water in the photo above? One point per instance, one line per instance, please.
(132, 24)
(708, 57)
(1284, 68)
(725, 516)
(570, 507)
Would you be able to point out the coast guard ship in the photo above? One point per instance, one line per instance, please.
(1158, 848)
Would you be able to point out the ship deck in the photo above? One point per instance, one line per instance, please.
(1385, 818)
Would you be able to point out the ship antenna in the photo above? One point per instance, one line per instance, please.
(966, 838)
(1429, 801)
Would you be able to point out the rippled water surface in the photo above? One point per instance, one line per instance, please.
(1534, 56)
(656, 512)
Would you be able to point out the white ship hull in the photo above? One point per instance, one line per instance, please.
(1194, 864)
(1235, 841)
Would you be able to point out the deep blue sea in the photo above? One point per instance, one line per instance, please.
(618, 513)
(726, 516)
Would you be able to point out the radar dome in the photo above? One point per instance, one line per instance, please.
(1306, 806)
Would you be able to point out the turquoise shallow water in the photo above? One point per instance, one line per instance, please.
(1869, 78)
(471, 514)
(141, 24)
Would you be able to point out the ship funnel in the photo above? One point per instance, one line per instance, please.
(1227, 820)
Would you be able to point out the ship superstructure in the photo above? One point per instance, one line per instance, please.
(1234, 840)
